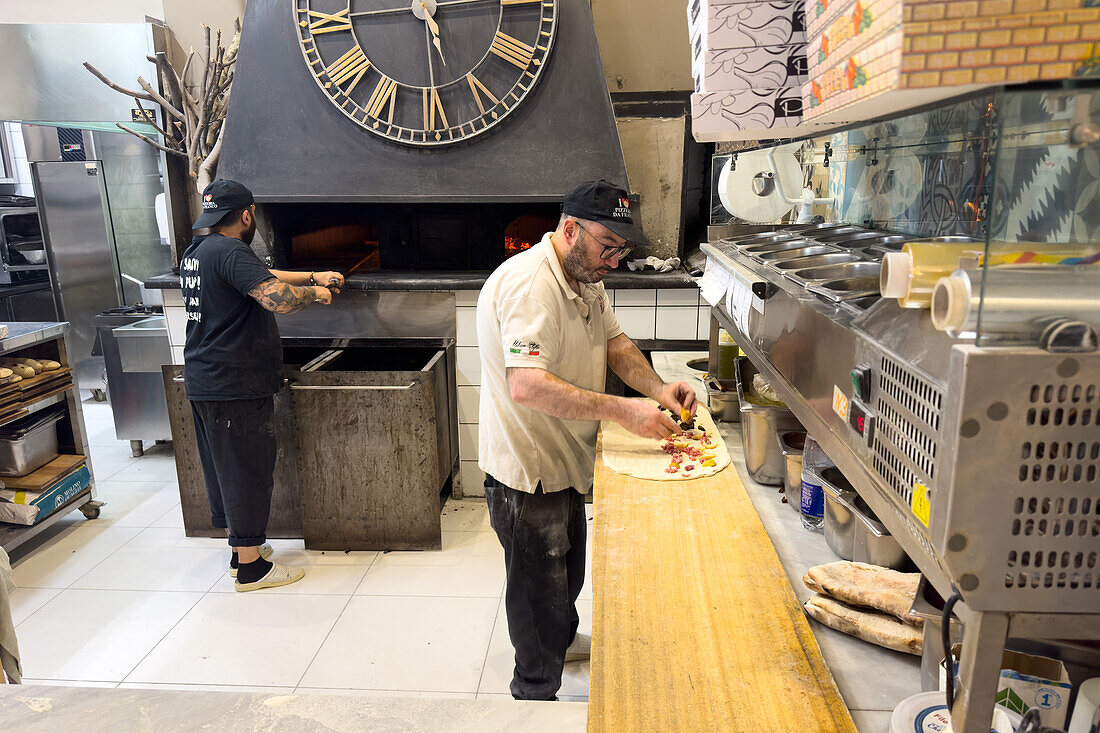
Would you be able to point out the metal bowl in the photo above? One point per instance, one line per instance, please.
(790, 254)
(845, 271)
(801, 263)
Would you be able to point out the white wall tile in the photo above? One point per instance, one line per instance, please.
(704, 322)
(177, 354)
(467, 442)
(176, 317)
(678, 296)
(468, 400)
(468, 365)
(466, 297)
(677, 322)
(635, 297)
(473, 478)
(466, 320)
(638, 323)
(172, 297)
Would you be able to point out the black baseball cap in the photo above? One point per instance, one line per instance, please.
(605, 203)
(220, 198)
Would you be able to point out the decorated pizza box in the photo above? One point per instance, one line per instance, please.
(820, 13)
(745, 25)
(927, 61)
(763, 67)
(861, 24)
(748, 114)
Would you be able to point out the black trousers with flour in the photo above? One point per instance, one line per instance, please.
(543, 537)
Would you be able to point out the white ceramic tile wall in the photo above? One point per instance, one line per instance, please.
(468, 365)
(467, 442)
(704, 322)
(680, 296)
(635, 297)
(172, 298)
(177, 354)
(466, 321)
(637, 322)
(177, 324)
(466, 297)
(468, 398)
(677, 322)
(473, 478)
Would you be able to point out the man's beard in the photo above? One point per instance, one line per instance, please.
(577, 267)
(248, 234)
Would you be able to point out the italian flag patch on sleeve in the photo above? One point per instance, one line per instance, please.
(525, 348)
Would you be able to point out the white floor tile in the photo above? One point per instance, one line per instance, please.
(107, 461)
(405, 643)
(330, 573)
(465, 515)
(500, 663)
(25, 601)
(97, 634)
(384, 693)
(165, 569)
(68, 683)
(872, 721)
(171, 519)
(157, 538)
(135, 503)
(148, 468)
(470, 564)
(101, 432)
(205, 688)
(254, 639)
(68, 555)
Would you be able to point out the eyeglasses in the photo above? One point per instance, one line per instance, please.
(610, 251)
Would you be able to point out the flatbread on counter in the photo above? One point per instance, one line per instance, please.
(877, 628)
(872, 586)
(630, 454)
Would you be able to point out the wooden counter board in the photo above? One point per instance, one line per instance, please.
(695, 626)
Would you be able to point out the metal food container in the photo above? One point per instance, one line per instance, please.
(28, 444)
(722, 400)
(761, 428)
(852, 530)
(793, 443)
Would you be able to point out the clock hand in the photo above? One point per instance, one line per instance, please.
(434, 28)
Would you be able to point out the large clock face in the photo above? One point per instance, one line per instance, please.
(426, 72)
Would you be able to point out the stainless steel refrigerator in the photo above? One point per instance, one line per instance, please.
(80, 250)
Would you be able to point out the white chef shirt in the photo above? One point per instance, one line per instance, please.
(528, 316)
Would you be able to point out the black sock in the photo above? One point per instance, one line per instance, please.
(250, 572)
(233, 561)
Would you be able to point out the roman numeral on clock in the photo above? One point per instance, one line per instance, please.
(475, 85)
(512, 50)
(352, 65)
(385, 91)
(329, 22)
(432, 105)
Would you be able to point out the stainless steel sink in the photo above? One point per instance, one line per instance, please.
(790, 254)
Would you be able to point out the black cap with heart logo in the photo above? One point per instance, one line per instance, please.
(220, 198)
(605, 203)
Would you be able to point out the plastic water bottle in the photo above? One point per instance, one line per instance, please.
(812, 504)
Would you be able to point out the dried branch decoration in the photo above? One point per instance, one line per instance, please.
(193, 115)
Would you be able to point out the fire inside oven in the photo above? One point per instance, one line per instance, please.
(396, 237)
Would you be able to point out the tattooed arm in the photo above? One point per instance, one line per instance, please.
(279, 297)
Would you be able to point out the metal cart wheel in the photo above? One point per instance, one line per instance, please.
(90, 510)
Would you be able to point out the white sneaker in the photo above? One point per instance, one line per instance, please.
(277, 576)
(580, 650)
(265, 553)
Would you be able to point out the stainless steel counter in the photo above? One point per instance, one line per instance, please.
(28, 333)
(871, 679)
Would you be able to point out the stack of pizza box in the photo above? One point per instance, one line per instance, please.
(868, 58)
(749, 65)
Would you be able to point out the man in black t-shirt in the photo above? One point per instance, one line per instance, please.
(232, 369)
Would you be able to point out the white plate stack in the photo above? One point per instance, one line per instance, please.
(748, 60)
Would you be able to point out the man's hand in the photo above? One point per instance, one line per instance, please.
(322, 295)
(334, 281)
(677, 396)
(642, 418)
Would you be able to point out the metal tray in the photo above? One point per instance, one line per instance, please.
(844, 271)
(844, 237)
(801, 263)
(793, 243)
(846, 289)
(790, 254)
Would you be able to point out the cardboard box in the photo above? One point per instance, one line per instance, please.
(746, 25)
(749, 114)
(820, 13)
(762, 67)
(861, 24)
(1030, 681)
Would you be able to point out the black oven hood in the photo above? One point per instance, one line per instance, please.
(288, 143)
